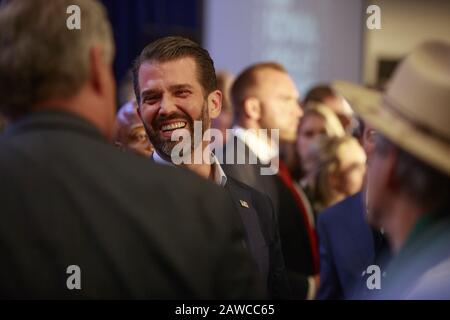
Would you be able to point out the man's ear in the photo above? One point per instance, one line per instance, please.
(98, 68)
(390, 163)
(214, 103)
(252, 108)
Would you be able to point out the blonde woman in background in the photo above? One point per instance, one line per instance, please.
(317, 121)
(338, 169)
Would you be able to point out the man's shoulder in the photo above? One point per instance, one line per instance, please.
(77, 156)
(433, 284)
(256, 195)
(342, 210)
(182, 184)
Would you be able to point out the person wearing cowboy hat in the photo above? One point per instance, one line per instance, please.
(409, 174)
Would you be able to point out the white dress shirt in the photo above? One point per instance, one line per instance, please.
(220, 177)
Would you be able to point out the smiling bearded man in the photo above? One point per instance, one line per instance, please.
(175, 85)
(161, 129)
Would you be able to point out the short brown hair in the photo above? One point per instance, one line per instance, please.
(319, 93)
(247, 80)
(172, 48)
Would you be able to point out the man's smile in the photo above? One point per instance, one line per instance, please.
(168, 127)
(172, 126)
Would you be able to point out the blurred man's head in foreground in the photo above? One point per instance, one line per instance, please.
(408, 175)
(45, 65)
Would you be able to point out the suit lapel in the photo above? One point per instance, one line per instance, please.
(254, 238)
(249, 174)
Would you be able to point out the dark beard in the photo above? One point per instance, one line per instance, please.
(165, 146)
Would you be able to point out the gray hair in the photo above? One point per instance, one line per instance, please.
(40, 58)
(423, 184)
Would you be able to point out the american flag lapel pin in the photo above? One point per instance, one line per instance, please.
(244, 204)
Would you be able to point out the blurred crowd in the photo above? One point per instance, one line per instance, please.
(357, 207)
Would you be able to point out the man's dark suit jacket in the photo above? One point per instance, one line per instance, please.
(135, 230)
(347, 247)
(262, 236)
(260, 226)
(295, 243)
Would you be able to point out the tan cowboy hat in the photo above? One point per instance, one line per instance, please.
(414, 111)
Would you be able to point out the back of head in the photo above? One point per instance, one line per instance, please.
(325, 159)
(325, 94)
(41, 57)
(246, 83)
(319, 93)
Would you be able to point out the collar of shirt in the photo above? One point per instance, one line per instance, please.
(219, 175)
(258, 146)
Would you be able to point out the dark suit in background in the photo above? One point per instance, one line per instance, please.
(136, 230)
(295, 243)
(347, 246)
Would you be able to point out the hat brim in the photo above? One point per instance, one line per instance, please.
(368, 104)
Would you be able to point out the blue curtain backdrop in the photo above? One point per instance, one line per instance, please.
(137, 22)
